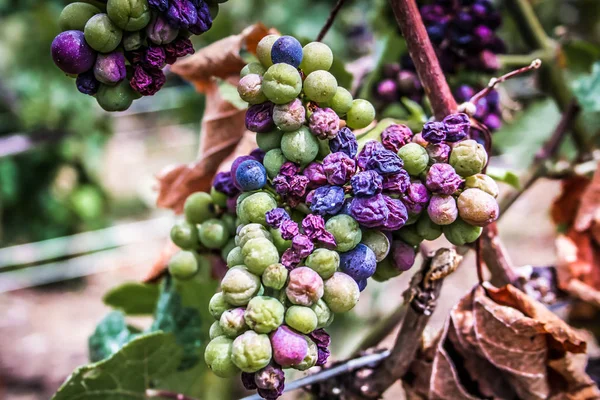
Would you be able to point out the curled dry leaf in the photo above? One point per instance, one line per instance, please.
(577, 213)
(501, 344)
(223, 124)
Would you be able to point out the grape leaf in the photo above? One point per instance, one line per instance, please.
(504, 175)
(133, 298)
(389, 51)
(587, 89)
(184, 322)
(127, 373)
(500, 343)
(110, 335)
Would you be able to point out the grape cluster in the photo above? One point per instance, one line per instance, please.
(117, 50)
(321, 212)
(398, 82)
(463, 33)
(209, 227)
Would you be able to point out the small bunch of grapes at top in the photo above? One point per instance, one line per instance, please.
(321, 213)
(118, 50)
(463, 33)
(398, 82)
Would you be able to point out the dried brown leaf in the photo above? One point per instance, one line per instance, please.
(498, 343)
(220, 59)
(223, 128)
(589, 209)
(565, 206)
(160, 265)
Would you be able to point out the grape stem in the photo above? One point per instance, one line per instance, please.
(423, 55)
(535, 64)
(334, 12)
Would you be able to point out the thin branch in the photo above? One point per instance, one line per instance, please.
(426, 63)
(381, 330)
(548, 150)
(496, 257)
(152, 393)
(329, 373)
(422, 298)
(535, 64)
(336, 9)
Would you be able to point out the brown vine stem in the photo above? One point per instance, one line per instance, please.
(334, 11)
(154, 393)
(426, 63)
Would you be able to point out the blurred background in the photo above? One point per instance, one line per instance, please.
(77, 206)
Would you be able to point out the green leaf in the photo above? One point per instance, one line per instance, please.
(127, 373)
(133, 298)
(504, 175)
(519, 140)
(110, 335)
(587, 89)
(390, 50)
(184, 322)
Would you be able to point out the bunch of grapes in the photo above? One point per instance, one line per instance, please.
(117, 49)
(321, 212)
(397, 82)
(463, 33)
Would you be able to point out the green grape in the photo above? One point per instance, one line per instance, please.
(242, 197)
(282, 83)
(275, 276)
(217, 305)
(324, 262)
(253, 68)
(303, 319)
(263, 50)
(324, 149)
(75, 15)
(254, 207)
(269, 141)
(254, 234)
(320, 86)
(385, 270)
(341, 101)
(378, 242)
(198, 207)
(185, 235)
(243, 230)
(300, 146)
(323, 313)
(183, 265)
(409, 235)
(415, 158)
(235, 257)
(116, 98)
(218, 357)
(213, 233)
(215, 331)
(460, 233)
(345, 230)
(230, 222)
(341, 293)
(258, 254)
(129, 15)
(102, 34)
(227, 249)
(279, 242)
(360, 114)
(427, 229)
(264, 314)
(317, 56)
(273, 161)
(218, 198)
(239, 286)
